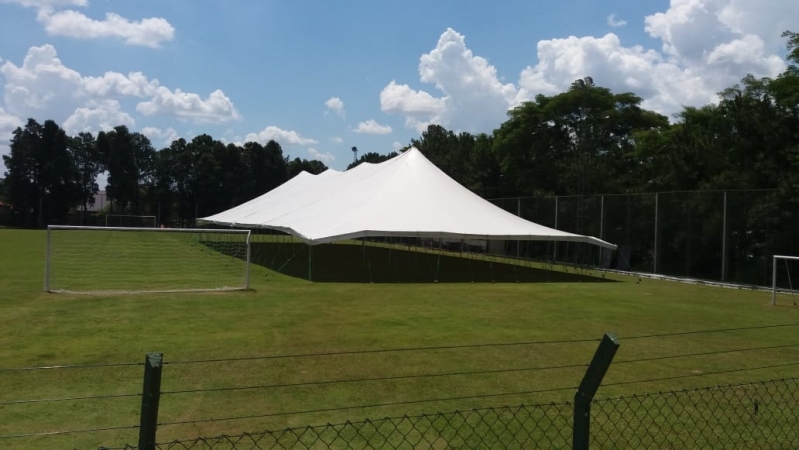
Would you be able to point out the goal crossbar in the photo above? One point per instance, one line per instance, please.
(242, 252)
(774, 274)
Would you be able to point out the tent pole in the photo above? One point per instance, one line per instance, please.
(310, 262)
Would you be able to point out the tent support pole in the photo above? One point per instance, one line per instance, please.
(310, 262)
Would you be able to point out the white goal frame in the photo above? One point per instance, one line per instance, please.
(774, 275)
(155, 219)
(248, 233)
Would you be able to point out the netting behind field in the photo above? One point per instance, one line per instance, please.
(100, 260)
(785, 288)
(726, 236)
(411, 260)
(126, 220)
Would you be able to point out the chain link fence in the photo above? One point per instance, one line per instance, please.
(727, 236)
(753, 415)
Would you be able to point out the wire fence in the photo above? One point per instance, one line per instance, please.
(752, 415)
(727, 236)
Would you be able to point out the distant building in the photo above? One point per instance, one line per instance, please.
(100, 202)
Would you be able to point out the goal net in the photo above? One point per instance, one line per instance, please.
(97, 260)
(785, 280)
(130, 221)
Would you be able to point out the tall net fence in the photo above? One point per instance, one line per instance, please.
(726, 236)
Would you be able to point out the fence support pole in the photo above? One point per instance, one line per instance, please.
(724, 241)
(601, 228)
(151, 395)
(655, 264)
(518, 243)
(588, 387)
(555, 243)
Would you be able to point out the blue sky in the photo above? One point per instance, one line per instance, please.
(320, 77)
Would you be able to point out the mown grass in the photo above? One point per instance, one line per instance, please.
(283, 315)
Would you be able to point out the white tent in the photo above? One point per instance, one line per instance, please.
(406, 196)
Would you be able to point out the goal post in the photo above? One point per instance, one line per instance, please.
(780, 264)
(130, 221)
(108, 260)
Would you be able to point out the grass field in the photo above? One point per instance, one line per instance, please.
(284, 315)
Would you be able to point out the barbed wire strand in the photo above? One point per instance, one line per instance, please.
(56, 433)
(718, 330)
(709, 353)
(360, 380)
(387, 350)
(374, 405)
(65, 399)
(70, 366)
(696, 375)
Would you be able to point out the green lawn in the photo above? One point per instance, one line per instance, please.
(285, 315)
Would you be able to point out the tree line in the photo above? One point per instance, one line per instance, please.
(587, 140)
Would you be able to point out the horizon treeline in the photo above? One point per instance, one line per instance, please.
(587, 140)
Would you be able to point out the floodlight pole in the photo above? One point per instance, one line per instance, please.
(724, 241)
(655, 264)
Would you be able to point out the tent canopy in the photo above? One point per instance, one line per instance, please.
(406, 196)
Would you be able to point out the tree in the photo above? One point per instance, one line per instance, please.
(266, 166)
(42, 178)
(298, 165)
(88, 164)
(117, 151)
(372, 158)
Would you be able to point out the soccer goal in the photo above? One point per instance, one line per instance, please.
(99, 260)
(130, 221)
(785, 271)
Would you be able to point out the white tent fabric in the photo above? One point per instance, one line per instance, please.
(405, 196)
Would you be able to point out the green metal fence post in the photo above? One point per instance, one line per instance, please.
(151, 395)
(588, 387)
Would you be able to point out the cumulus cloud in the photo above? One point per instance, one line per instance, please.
(47, 3)
(43, 86)
(8, 123)
(615, 22)
(336, 105)
(325, 157)
(161, 136)
(216, 108)
(372, 127)
(150, 32)
(337, 140)
(468, 83)
(397, 145)
(97, 116)
(705, 46)
(283, 137)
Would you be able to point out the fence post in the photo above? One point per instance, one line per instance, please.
(555, 243)
(518, 213)
(655, 262)
(724, 241)
(588, 387)
(151, 395)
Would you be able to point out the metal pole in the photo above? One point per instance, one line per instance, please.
(151, 396)
(774, 280)
(655, 265)
(724, 241)
(47, 263)
(555, 243)
(310, 261)
(585, 393)
(247, 273)
(601, 227)
(519, 213)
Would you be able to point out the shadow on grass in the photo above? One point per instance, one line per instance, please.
(349, 263)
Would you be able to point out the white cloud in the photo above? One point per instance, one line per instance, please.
(397, 145)
(47, 3)
(8, 123)
(43, 86)
(283, 137)
(325, 157)
(372, 127)
(97, 116)
(706, 46)
(150, 32)
(336, 105)
(615, 22)
(216, 108)
(158, 135)
(473, 97)
(337, 140)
